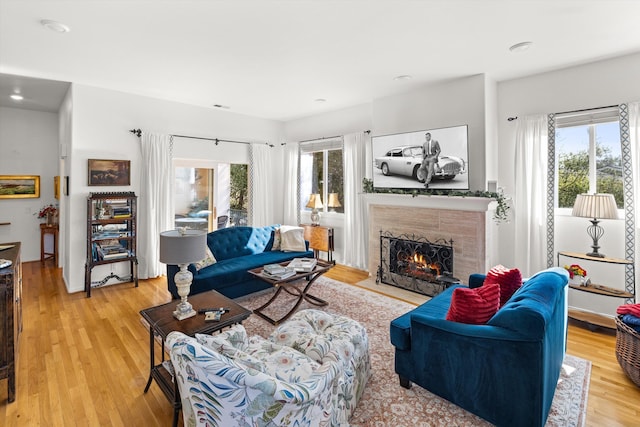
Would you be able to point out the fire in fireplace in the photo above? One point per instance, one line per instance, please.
(415, 263)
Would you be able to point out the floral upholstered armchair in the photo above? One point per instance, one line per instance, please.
(230, 379)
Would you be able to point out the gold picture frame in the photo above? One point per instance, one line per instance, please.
(109, 172)
(19, 186)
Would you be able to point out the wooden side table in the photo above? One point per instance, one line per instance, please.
(44, 255)
(161, 322)
(320, 239)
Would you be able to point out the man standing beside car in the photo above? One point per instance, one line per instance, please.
(430, 153)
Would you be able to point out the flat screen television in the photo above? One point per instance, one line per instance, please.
(397, 159)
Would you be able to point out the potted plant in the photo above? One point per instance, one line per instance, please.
(50, 213)
(577, 274)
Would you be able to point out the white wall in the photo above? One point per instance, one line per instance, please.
(456, 102)
(592, 85)
(101, 123)
(28, 146)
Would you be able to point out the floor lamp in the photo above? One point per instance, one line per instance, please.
(596, 206)
(182, 247)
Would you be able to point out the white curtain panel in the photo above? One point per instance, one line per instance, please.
(261, 159)
(291, 194)
(355, 236)
(530, 194)
(634, 137)
(155, 213)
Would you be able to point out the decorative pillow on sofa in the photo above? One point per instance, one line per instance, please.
(292, 239)
(207, 261)
(276, 240)
(474, 306)
(509, 280)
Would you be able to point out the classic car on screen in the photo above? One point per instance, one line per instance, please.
(406, 160)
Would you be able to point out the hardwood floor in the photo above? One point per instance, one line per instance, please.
(85, 361)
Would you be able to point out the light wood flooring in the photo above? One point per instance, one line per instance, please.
(85, 361)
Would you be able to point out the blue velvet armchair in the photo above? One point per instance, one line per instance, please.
(505, 371)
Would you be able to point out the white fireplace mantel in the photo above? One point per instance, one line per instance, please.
(476, 204)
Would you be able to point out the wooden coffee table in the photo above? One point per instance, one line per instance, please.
(290, 285)
(161, 322)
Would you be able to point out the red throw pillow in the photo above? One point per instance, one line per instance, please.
(508, 279)
(475, 306)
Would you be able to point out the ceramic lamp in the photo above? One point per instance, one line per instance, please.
(315, 203)
(182, 247)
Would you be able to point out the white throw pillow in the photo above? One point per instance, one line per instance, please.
(207, 261)
(292, 239)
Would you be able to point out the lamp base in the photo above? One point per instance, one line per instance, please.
(179, 315)
(596, 255)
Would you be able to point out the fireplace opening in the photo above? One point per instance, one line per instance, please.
(414, 263)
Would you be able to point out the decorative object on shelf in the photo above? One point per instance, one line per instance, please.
(50, 213)
(182, 247)
(334, 202)
(577, 275)
(109, 172)
(19, 186)
(315, 203)
(596, 206)
(500, 215)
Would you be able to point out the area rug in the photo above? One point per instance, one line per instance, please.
(384, 402)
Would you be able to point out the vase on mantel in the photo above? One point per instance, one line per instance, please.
(51, 219)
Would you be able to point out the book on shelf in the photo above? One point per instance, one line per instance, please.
(288, 272)
(303, 265)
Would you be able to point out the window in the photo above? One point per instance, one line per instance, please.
(207, 198)
(588, 156)
(321, 172)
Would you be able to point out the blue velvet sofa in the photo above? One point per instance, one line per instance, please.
(236, 250)
(505, 371)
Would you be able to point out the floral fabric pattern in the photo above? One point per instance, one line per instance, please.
(219, 391)
(319, 335)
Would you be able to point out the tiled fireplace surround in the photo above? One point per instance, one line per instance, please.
(465, 220)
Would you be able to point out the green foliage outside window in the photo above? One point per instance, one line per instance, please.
(239, 187)
(573, 176)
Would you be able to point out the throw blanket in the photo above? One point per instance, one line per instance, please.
(629, 309)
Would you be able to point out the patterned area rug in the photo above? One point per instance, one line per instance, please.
(384, 402)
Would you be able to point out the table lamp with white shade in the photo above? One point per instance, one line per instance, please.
(182, 247)
(334, 201)
(597, 206)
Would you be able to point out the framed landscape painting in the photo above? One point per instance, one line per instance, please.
(109, 172)
(19, 186)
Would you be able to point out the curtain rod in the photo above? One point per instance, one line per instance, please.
(138, 133)
(510, 119)
(330, 137)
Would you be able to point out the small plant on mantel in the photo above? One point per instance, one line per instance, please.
(500, 215)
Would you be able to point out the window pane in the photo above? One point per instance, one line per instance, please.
(238, 197)
(609, 161)
(572, 151)
(191, 201)
(335, 184)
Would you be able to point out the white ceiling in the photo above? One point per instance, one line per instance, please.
(272, 59)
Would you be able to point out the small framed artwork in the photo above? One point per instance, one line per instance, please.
(19, 186)
(109, 172)
(56, 187)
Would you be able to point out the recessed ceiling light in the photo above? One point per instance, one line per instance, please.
(16, 97)
(56, 26)
(403, 77)
(520, 47)
(319, 100)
